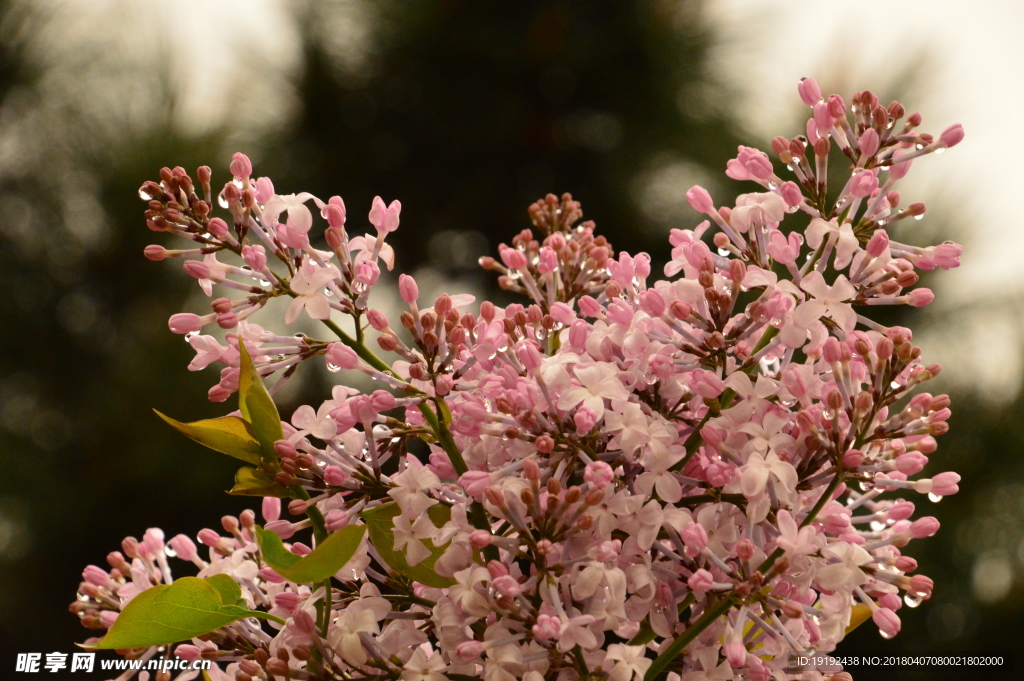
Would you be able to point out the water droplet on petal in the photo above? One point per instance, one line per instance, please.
(867, 485)
(885, 635)
(190, 335)
(145, 196)
(333, 368)
(912, 601)
(877, 526)
(939, 150)
(724, 252)
(934, 498)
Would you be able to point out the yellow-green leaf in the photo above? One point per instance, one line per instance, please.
(250, 482)
(168, 613)
(228, 435)
(325, 560)
(257, 406)
(860, 614)
(381, 523)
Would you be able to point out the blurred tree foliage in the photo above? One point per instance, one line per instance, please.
(468, 112)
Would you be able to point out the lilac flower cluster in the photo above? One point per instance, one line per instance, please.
(621, 479)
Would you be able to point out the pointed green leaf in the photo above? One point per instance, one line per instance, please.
(381, 523)
(257, 406)
(250, 482)
(168, 613)
(228, 435)
(325, 560)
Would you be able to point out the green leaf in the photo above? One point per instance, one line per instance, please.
(325, 560)
(250, 482)
(257, 406)
(168, 613)
(381, 523)
(228, 435)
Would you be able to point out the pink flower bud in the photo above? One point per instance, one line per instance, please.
(507, 585)
(107, 618)
(791, 194)
(217, 227)
(547, 626)
(952, 135)
(599, 474)
(853, 458)
(341, 355)
(335, 519)
(475, 483)
(187, 651)
(890, 601)
(877, 244)
(911, 463)
(920, 297)
(255, 257)
(921, 586)
(901, 510)
(385, 218)
(335, 476)
(563, 314)
(652, 303)
(836, 106)
(759, 166)
(241, 166)
(745, 549)
(809, 91)
(924, 527)
(609, 549)
(183, 547)
(480, 539)
(700, 199)
(282, 528)
(408, 289)
(469, 650)
(304, 622)
(377, 319)
(547, 261)
(529, 355)
(270, 575)
(155, 252)
(695, 537)
(700, 581)
(887, 621)
(208, 537)
(578, 333)
(335, 214)
(906, 564)
(185, 322)
(736, 654)
(513, 258)
(945, 484)
(585, 420)
(271, 508)
(545, 444)
(94, 575)
(868, 143)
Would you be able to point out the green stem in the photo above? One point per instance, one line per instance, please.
(677, 647)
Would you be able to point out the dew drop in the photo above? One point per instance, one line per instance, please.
(894, 385)
(724, 252)
(934, 498)
(877, 525)
(919, 146)
(221, 201)
(190, 335)
(333, 368)
(885, 635)
(912, 601)
(169, 551)
(144, 196)
(919, 217)
(828, 414)
(939, 150)
(867, 486)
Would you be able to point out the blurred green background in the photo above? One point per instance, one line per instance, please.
(467, 112)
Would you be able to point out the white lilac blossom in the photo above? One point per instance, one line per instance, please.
(625, 478)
